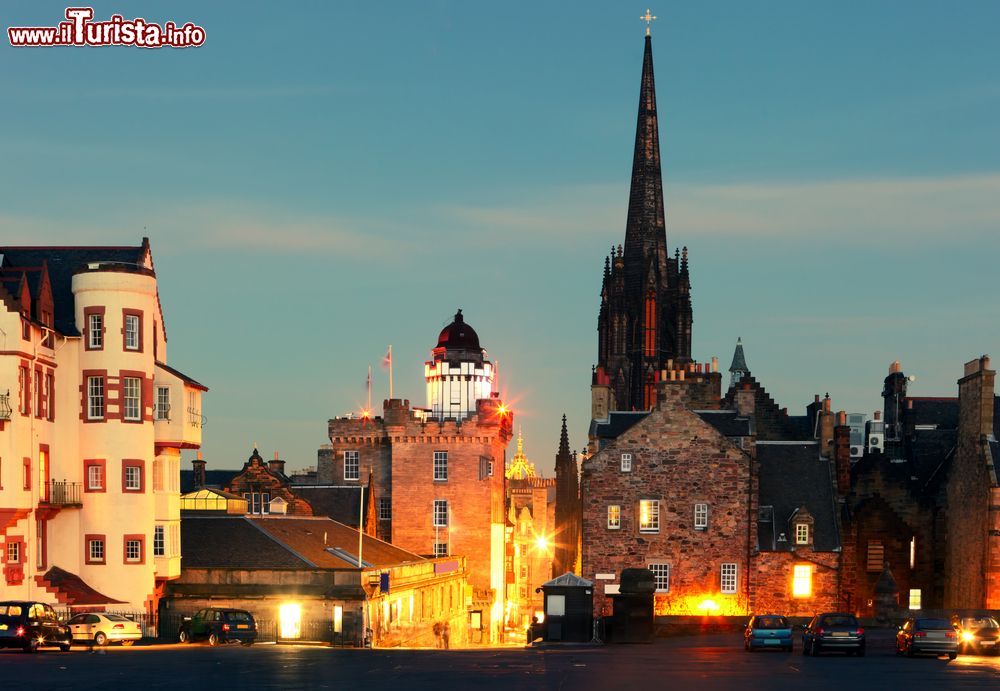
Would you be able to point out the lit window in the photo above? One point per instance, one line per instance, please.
(661, 577)
(132, 332)
(162, 403)
(95, 398)
(801, 580)
(876, 556)
(385, 509)
(159, 540)
(95, 331)
(352, 465)
(132, 393)
(913, 552)
(614, 517)
(440, 513)
(729, 579)
(440, 465)
(914, 598)
(133, 550)
(701, 516)
(649, 516)
(802, 533)
(626, 462)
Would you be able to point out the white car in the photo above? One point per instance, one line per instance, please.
(101, 628)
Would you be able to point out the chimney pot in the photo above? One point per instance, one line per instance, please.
(909, 404)
(816, 398)
(895, 367)
(841, 418)
(878, 415)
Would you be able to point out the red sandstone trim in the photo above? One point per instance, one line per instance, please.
(87, 462)
(87, 311)
(134, 463)
(132, 313)
(142, 548)
(87, 539)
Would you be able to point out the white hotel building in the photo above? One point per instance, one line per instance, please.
(92, 423)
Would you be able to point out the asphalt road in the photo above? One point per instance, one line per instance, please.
(704, 663)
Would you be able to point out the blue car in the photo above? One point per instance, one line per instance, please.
(767, 631)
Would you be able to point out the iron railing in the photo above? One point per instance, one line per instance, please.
(5, 409)
(62, 493)
(195, 418)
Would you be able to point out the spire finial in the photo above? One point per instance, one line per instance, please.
(648, 18)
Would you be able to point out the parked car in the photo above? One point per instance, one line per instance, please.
(767, 631)
(219, 625)
(833, 631)
(31, 625)
(101, 628)
(978, 635)
(926, 635)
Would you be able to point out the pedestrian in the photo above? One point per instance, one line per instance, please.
(437, 634)
(445, 632)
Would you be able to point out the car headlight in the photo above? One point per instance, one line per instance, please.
(968, 636)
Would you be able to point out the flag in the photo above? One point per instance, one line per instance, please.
(387, 360)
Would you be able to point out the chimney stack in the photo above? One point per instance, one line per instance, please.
(277, 465)
(199, 472)
(825, 429)
(975, 399)
(842, 454)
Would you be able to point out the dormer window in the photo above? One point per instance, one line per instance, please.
(802, 533)
(626, 463)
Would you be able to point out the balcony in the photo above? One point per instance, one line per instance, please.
(195, 418)
(61, 494)
(5, 409)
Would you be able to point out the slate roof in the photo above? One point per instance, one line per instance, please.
(995, 455)
(942, 412)
(63, 262)
(74, 590)
(793, 475)
(726, 422)
(245, 542)
(929, 450)
(216, 479)
(339, 502)
(180, 375)
(568, 579)
(617, 424)
(739, 360)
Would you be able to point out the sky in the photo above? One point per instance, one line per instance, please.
(322, 179)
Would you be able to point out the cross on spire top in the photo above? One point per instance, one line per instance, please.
(648, 18)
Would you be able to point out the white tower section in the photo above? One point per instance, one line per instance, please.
(458, 375)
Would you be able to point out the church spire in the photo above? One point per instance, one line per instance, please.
(645, 230)
(563, 441)
(739, 367)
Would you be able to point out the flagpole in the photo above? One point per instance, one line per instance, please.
(390, 371)
(369, 408)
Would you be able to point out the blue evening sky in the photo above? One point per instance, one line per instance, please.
(322, 179)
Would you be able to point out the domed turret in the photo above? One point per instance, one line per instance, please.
(458, 335)
(458, 374)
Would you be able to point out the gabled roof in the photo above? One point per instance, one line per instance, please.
(726, 422)
(942, 412)
(63, 262)
(568, 579)
(617, 423)
(793, 475)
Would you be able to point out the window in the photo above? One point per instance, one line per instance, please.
(27, 474)
(914, 598)
(132, 336)
(159, 546)
(352, 465)
(40, 545)
(802, 533)
(95, 331)
(913, 552)
(614, 517)
(258, 503)
(649, 516)
(38, 393)
(132, 476)
(50, 385)
(175, 540)
(728, 579)
(440, 549)
(95, 475)
(162, 403)
(440, 466)
(440, 513)
(701, 516)
(13, 552)
(132, 393)
(801, 580)
(157, 475)
(555, 606)
(385, 509)
(133, 549)
(24, 380)
(661, 577)
(95, 549)
(626, 462)
(876, 556)
(95, 398)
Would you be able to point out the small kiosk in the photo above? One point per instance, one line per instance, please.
(569, 609)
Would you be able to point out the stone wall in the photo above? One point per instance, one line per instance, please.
(771, 583)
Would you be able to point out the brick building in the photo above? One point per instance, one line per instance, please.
(437, 472)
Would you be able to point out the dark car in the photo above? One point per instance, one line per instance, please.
(767, 631)
(31, 625)
(833, 631)
(219, 625)
(979, 634)
(927, 635)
